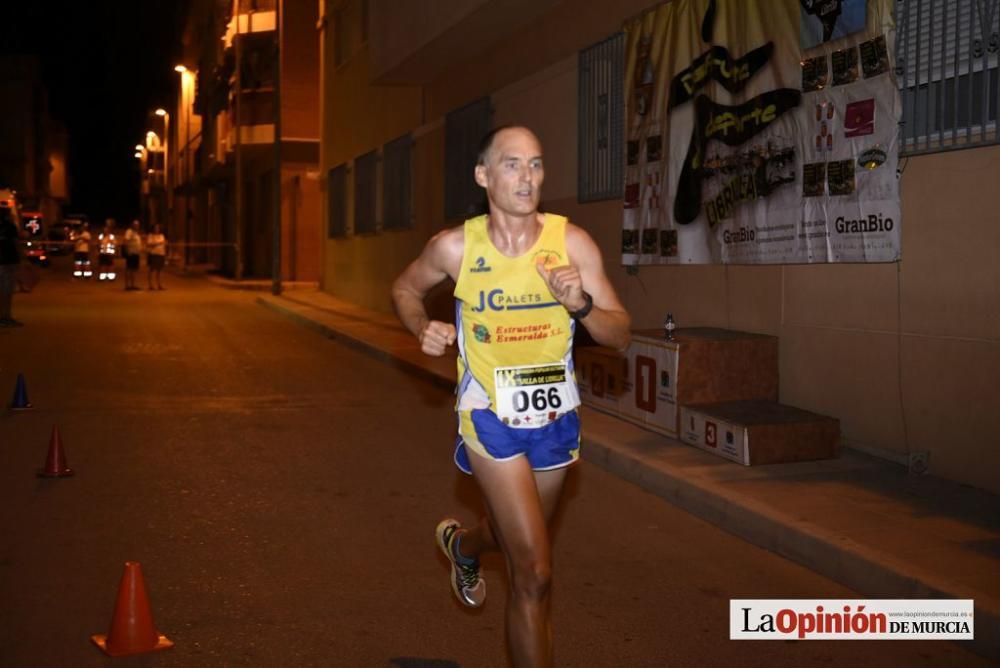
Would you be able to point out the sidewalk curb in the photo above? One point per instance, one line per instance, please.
(247, 284)
(869, 572)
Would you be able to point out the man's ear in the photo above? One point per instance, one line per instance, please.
(480, 174)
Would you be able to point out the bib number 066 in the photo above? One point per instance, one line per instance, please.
(541, 399)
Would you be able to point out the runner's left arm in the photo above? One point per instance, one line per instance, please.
(608, 322)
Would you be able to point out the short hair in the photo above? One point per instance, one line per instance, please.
(486, 143)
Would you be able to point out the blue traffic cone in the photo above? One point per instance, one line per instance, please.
(20, 401)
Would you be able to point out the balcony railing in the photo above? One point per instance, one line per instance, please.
(256, 107)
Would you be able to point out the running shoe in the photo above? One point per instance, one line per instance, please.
(465, 581)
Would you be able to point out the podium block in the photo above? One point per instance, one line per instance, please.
(716, 365)
(600, 376)
(698, 366)
(760, 432)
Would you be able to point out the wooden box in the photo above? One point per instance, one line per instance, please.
(760, 432)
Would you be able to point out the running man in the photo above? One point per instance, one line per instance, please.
(523, 279)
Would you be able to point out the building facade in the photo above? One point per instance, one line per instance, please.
(905, 354)
(33, 146)
(236, 86)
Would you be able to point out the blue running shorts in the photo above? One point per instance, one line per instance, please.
(553, 446)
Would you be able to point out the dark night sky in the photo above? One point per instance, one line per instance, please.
(107, 64)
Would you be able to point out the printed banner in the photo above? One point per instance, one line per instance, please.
(743, 148)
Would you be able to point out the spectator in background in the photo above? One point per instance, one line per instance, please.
(107, 248)
(132, 249)
(10, 257)
(81, 253)
(156, 255)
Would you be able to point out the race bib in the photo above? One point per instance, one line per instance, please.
(534, 395)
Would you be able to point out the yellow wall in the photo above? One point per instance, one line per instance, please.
(907, 355)
(358, 118)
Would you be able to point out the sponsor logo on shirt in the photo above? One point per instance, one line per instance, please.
(547, 258)
(481, 332)
(480, 266)
(498, 300)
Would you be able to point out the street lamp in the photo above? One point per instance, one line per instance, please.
(142, 155)
(165, 115)
(186, 101)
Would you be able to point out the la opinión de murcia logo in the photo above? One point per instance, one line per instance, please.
(851, 620)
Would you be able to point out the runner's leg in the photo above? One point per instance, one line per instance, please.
(519, 526)
(478, 539)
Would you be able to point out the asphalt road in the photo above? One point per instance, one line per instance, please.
(281, 492)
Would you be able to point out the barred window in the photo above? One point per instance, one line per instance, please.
(396, 179)
(365, 167)
(336, 189)
(946, 56)
(463, 130)
(601, 101)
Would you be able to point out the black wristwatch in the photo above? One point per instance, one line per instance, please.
(585, 310)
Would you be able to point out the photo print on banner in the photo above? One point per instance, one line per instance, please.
(826, 20)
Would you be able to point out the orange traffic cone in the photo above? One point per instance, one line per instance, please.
(132, 630)
(55, 463)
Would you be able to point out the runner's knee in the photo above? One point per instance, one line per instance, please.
(532, 579)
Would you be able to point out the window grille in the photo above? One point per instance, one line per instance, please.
(946, 56)
(336, 188)
(365, 167)
(600, 120)
(463, 129)
(396, 180)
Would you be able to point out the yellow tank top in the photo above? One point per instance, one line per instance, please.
(513, 336)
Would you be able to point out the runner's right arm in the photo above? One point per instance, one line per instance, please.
(441, 258)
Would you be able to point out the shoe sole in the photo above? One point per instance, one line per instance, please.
(443, 545)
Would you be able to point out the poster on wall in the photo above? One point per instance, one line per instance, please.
(746, 146)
